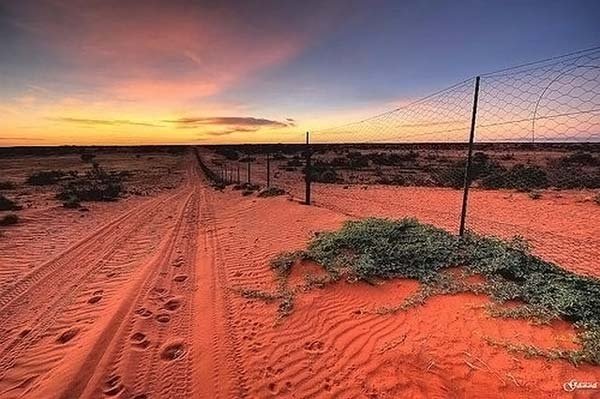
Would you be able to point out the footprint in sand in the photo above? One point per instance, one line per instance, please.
(314, 347)
(144, 313)
(96, 297)
(159, 292)
(173, 351)
(113, 386)
(163, 318)
(178, 262)
(67, 335)
(180, 278)
(172, 304)
(139, 340)
(24, 333)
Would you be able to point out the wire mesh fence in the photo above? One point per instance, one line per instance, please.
(532, 164)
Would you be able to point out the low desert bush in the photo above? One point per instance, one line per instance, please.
(88, 157)
(534, 195)
(9, 219)
(451, 176)
(294, 162)
(527, 177)
(72, 202)
(321, 172)
(384, 249)
(95, 185)
(271, 192)
(8, 204)
(228, 153)
(581, 158)
(7, 185)
(246, 187)
(45, 177)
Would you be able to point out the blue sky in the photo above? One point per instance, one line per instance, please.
(75, 71)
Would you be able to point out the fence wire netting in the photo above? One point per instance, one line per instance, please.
(534, 166)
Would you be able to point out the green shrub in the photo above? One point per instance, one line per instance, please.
(95, 185)
(573, 178)
(8, 205)
(450, 176)
(384, 249)
(45, 177)
(526, 177)
(579, 158)
(9, 219)
(520, 177)
(321, 172)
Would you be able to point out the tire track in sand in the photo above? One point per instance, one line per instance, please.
(149, 341)
(47, 292)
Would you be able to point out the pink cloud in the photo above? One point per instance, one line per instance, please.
(160, 50)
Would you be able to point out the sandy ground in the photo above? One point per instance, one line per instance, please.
(139, 299)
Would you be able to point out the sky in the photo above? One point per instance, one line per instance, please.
(200, 72)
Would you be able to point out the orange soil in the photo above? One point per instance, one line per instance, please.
(144, 303)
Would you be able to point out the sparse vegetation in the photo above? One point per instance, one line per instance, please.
(95, 185)
(7, 185)
(8, 204)
(374, 249)
(45, 177)
(88, 157)
(228, 153)
(271, 192)
(580, 158)
(9, 219)
(246, 188)
(323, 173)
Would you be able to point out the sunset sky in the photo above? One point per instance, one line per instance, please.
(182, 71)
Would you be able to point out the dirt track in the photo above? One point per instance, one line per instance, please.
(120, 298)
(147, 305)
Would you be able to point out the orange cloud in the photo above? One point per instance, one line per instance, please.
(157, 50)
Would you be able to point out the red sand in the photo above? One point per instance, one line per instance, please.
(143, 303)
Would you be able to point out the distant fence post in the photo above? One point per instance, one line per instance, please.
(248, 180)
(307, 169)
(238, 173)
(268, 170)
(467, 183)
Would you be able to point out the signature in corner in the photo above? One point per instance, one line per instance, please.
(574, 384)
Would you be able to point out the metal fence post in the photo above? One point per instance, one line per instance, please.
(467, 184)
(248, 172)
(238, 173)
(307, 169)
(268, 170)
